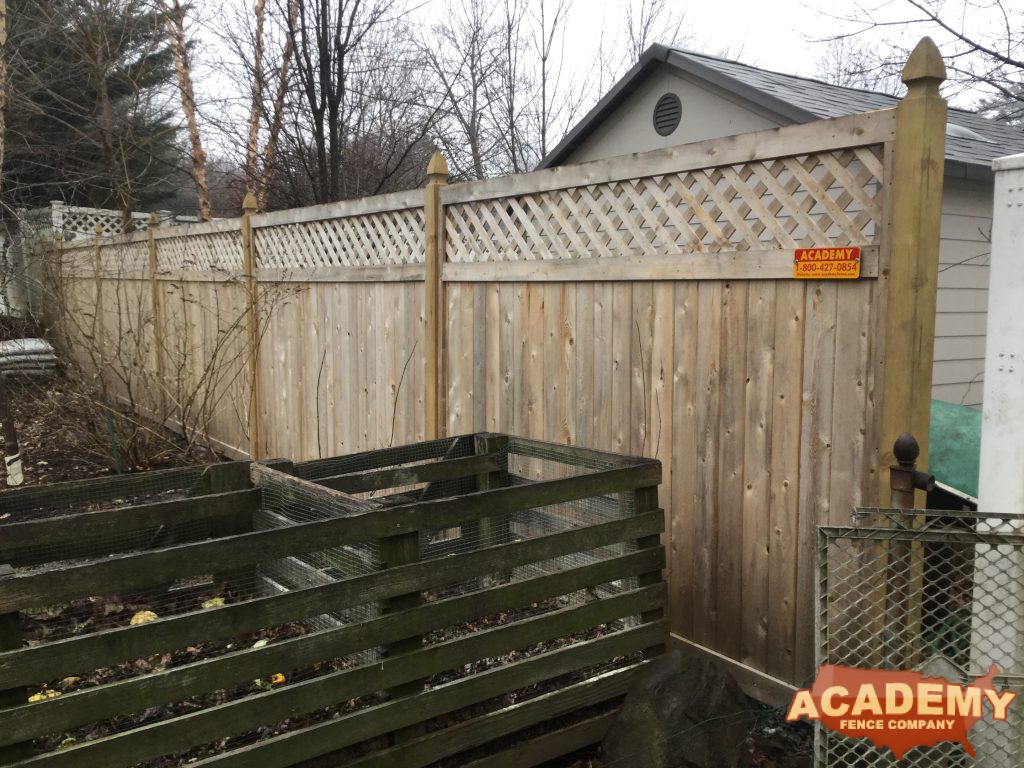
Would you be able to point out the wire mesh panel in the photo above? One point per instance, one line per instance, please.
(319, 609)
(937, 593)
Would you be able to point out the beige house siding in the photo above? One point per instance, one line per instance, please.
(706, 115)
(962, 301)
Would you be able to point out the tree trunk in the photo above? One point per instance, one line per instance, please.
(183, 66)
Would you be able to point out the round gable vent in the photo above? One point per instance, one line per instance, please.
(667, 114)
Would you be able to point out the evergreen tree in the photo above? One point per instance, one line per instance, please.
(89, 119)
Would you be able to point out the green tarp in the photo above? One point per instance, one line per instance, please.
(954, 447)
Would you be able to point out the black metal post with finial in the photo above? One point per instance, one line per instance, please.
(904, 479)
(904, 476)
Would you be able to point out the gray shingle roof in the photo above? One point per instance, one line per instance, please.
(799, 99)
(822, 100)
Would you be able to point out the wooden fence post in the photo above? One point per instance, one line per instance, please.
(10, 640)
(157, 311)
(918, 166)
(437, 177)
(249, 207)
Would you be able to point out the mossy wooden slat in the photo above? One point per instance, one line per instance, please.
(125, 574)
(541, 749)
(10, 638)
(64, 657)
(492, 530)
(645, 500)
(328, 737)
(447, 447)
(572, 454)
(54, 531)
(379, 479)
(493, 725)
(96, 490)
(26, 721)
(238, 716)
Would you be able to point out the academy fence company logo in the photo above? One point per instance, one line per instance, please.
(899, 710)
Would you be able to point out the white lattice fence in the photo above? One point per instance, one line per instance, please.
(820, 199)
(78, 222)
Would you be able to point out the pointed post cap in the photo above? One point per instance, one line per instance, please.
(249, 204)
(437, 166)
(925, 64)
(154, 220)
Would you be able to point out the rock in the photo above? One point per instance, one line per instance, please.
(683, 711)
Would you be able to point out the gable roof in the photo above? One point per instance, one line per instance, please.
(972, 141)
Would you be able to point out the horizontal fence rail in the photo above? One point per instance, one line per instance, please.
(447, 574)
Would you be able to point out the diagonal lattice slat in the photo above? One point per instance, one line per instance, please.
(379, 239)
(209, 251)
(820, 199)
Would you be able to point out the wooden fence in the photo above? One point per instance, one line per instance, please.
(643, 304)
(479, 641)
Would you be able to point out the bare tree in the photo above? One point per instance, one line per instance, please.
(183, 65)
(859, 64)
(466, 54)
(652, 21)
(982, 43)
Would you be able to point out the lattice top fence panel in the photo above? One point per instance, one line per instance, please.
(76, 223)
(383, 238)
(118, 258)
(819, 199)
(213, 251)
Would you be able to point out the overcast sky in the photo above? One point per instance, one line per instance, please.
(781, 35)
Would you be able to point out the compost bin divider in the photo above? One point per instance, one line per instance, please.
(10, 639)
(188, 680)
(64, 656)
(562, 615)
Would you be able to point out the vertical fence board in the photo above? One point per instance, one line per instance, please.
(784, 497)
(731, 434)
(705, 529)
(683, 458)
(815, 453)
(757, 478)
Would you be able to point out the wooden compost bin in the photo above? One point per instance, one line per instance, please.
(481, 599)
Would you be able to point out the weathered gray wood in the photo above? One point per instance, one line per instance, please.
(378, 479)
(10, 638)
(492, 530)
(572, 454)
(93, 490)
(123, 574)
(217, 509)
(446, 447)
(238, 716)
(646, 500)
(548, 746)
(328, 737)
(493, 725)
(64, 657)
(175, 684)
